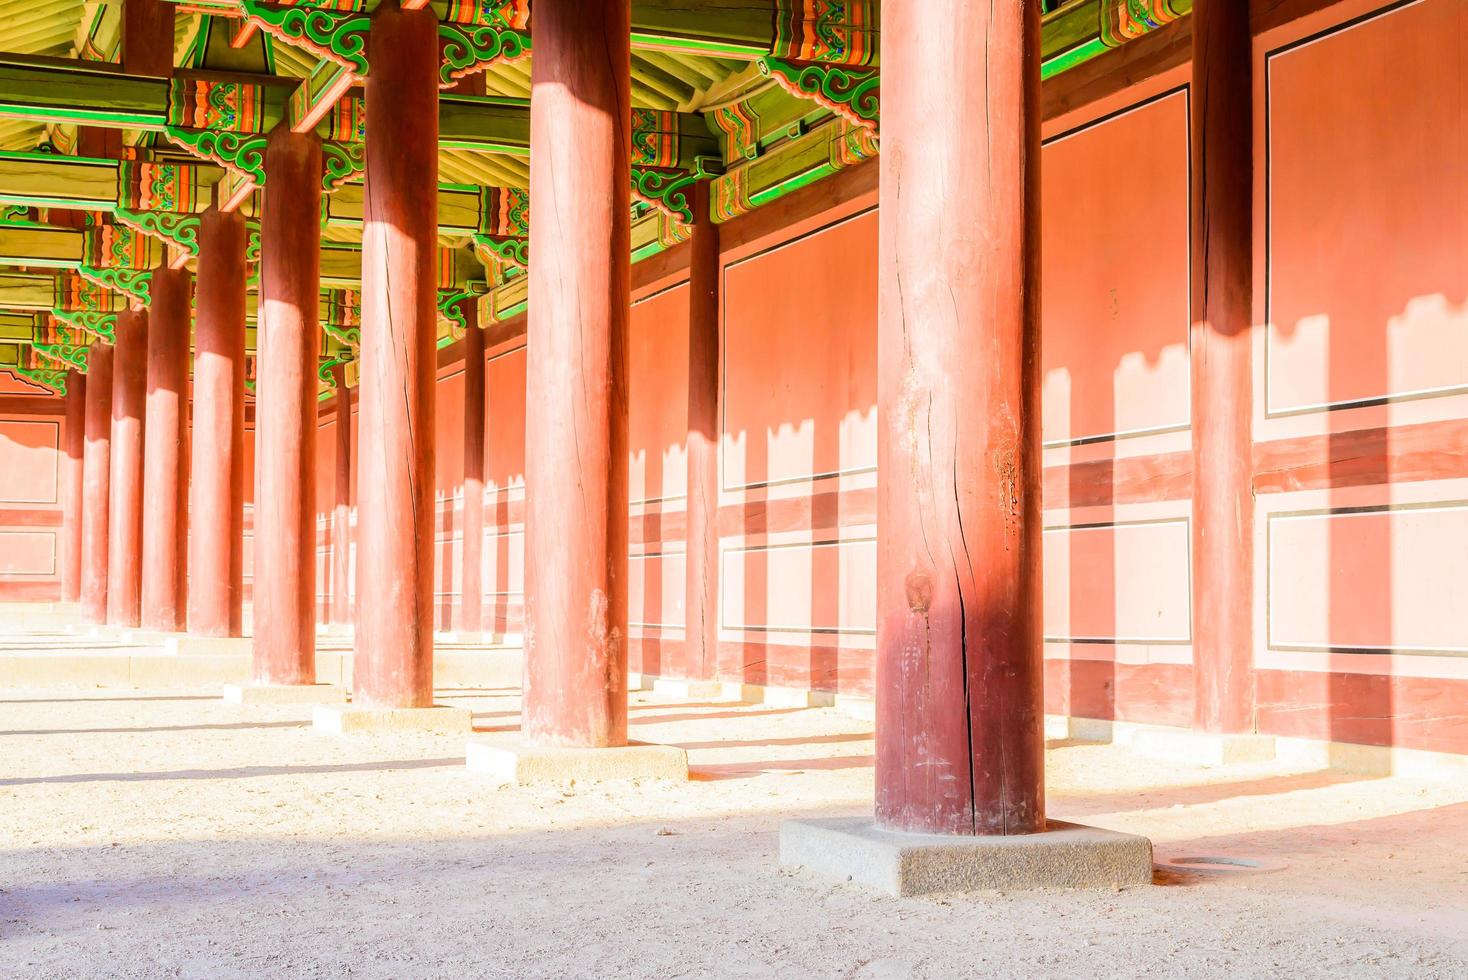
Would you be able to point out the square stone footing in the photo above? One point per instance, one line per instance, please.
(346, 719)
(778, 697)
(518, 763)
(674, 687)
(1065, 856)
(134, 636)
(190, 645)
(284, 694)
(1202, 748)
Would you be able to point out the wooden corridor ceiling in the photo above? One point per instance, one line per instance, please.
(757, 97)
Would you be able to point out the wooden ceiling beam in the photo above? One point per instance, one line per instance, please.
(74, 92)
(17, 327)
(27, 290)
(729, 29)
(41, 246)
(48, 180)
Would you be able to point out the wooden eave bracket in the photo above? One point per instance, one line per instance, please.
(99, 324)
(507, 250)
(854, 94)
(495, 33)
(135, 284)
(451, 300)
(342, 356)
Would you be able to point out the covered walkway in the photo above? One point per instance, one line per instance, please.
(184, 841)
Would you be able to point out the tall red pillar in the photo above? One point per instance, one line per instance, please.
(147, 37)
(217, 463)
(471, 614)
(125, 513)
(72, 478)
(285, 411)
(701, 589)
(341, 512)
(959, 726)
(393, 665)
(146, 48)
(165, 453)
(576, 383)
(1222, 362)
(96, 484)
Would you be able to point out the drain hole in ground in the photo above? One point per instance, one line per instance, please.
(1223, 864)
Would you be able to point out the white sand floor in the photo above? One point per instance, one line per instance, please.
(166, 834)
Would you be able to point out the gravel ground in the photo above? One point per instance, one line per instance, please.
(165, 834)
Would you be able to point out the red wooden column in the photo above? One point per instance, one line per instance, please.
(1222, 393)
(701, 592)
(147, 37)
(471, 612)
(125, 513)
(959, 728)
(165, 453)
(96, 484)
(146, 48)
(341, 512)
(471, 589)
(71, 486)
(285, 411)
(576, 384)
(393, 665)
(217, 484)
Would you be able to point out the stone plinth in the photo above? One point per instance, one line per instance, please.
(348, 719)
(190, 645)
(1202, 748)
(1065, 856)
(284, 694)
(677, 687)
(513, 761)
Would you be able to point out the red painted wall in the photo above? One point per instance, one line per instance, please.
(325, 473)
(1115, 366)
(1361, 389)
(32, 437)
(504, 489)
(797, 454)
(658, 470)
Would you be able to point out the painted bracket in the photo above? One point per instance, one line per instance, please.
(854, 94)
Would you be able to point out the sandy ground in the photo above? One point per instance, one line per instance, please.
(168, 835)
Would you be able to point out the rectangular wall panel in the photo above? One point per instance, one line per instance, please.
(250, 448)
(247, 559)
(504, 563)
(655, 593)
(27, 552)
(30, 461)
(800, 347)
(448, 428)
(826, 587)
(1367, 220)
(1115, 286)
(657, 423)
(1376, 579)
(1119, 583)
(325, 468)
(504, 426)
